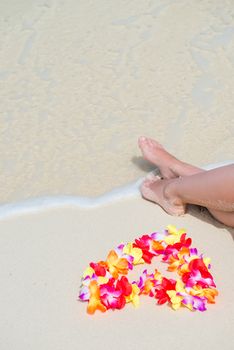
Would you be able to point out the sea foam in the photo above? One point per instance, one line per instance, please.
(51, 202)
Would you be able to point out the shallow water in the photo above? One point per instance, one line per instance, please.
(81, 81)
(44, 203)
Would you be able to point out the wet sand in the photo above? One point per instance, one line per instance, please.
(81, 81)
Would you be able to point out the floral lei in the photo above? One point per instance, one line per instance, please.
(105, 285)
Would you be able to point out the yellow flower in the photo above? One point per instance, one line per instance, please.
(89, 271)
(135, 252)
(183, 269)
(206, 261)
(102, 280)
(157, 275)
(134, 296)
(174, 234)
(180, 286)
(176, 299)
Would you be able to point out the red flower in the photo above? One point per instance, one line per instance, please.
(194, 266)
(173, 249)
(161, 290)
(124, 286)
(121, 302)
(112, 299)
(162, 296)
(147, 256)
(98, 268)
(186, 242)
(111, 296)
(198, 264)
(168, 284)
(144, 244)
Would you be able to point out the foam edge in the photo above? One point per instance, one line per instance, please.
(39, 204)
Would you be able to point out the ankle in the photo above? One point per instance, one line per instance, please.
(171, 192)
(184, 169)
(174, 204)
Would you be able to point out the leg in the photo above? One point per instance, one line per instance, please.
(169, 166)
(213, 189)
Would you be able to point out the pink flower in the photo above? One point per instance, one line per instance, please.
(111, 297)
(193, 302)
(196, 278)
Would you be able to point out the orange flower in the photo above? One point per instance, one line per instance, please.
(177, 263)
(94, 300)
(116, 265)
(174, 263)
(147, 287)
(183, 251)
(209, 293)
(157, 246)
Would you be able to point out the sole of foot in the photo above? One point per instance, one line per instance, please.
(153, 189)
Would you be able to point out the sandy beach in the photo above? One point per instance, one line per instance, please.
(43, 256)
(80, 81)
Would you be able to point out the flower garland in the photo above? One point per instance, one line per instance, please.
(105, 285)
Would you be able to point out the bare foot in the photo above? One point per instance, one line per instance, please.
(153, 189)
(169, 166)
(156, 154)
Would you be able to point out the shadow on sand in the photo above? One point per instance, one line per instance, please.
(203, 214)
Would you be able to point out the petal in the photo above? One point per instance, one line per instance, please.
(88, 272)
(171, 293)
(207, 262)
(137, 254)
(136, 300)
(156, 236)
(157, 246)
(179, 286)
(84, 294)
(94, 301)
(199, 303)
(157, 275)
(112, 257)
(102, 280)
(176, 306)
(172, 229)
(171, 239)
(122, 264)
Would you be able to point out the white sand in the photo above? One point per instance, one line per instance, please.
(43, 256)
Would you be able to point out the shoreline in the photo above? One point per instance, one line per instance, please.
(38, 204)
